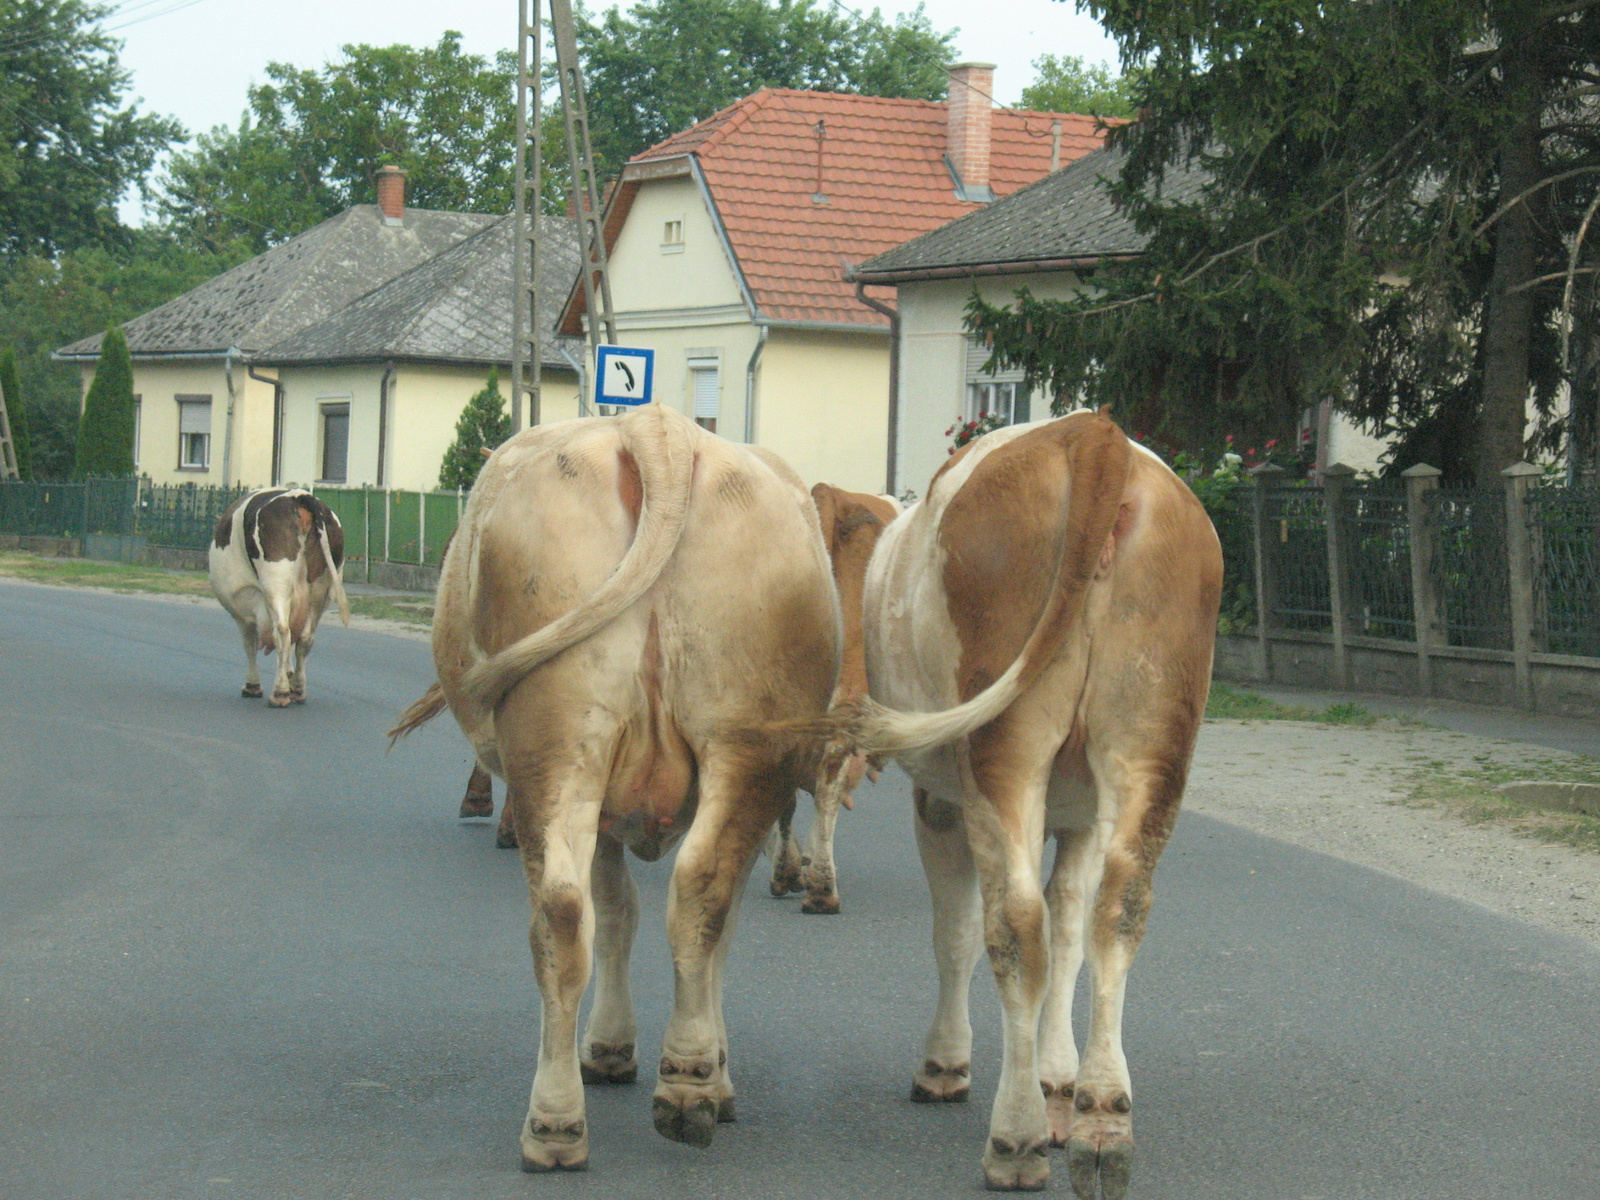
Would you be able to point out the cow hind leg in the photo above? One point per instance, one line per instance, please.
(252, 677)
(817, 873)
(785, 853)
(479, 800)
(737, 806)
(1100, 1141)
(297, 680)
(608, 1043)
(1073, 879)
(282, 691)
(557, 832)
(1006, 835)
(946, 1074)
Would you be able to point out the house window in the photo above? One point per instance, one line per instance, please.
(194, 433)
(335, 442)
(997, 392)
(138, 426)
(672, 236)
(705, 391)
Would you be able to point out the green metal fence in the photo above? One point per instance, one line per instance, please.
(379, 525)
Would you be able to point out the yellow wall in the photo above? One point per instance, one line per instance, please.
(648, 278)
(159, 382)
(425, 401)
(822, 404)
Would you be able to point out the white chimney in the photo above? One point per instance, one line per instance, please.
(970, 114)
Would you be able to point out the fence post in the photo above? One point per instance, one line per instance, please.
(386, 522)
(1519, 573)
(1421, 482)
(366, 528)
(1335, 479)
(422, 528)
(1262, 477)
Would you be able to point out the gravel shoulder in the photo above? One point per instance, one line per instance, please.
(1348, 792)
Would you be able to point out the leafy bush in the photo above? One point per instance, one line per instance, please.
(484, 424)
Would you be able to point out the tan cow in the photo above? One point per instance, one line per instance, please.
(1043, 621)
(276, 559)
(629, 607)
(851, 523)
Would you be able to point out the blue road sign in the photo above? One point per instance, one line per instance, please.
(624, 375)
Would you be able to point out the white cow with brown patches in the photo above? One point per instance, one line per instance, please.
(277, 558)
(1039, 633)
(629, 608)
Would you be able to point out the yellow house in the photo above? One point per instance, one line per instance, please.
(728, 244)
(240, 380)
(1049, 238)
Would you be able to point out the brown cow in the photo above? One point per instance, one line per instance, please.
(277, 557)
(629, 610)
(851, 523)
(1044, 622)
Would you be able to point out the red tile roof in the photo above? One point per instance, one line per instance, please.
(883, 175)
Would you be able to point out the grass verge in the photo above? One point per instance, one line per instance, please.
(1227, 702)
(133, 580)
(1472, 795)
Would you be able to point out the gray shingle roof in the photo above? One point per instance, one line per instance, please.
(291, 286)
(1067, 215)
(455, 307)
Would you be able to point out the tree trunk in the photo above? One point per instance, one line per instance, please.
(1508, 317)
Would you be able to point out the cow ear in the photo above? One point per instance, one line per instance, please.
(486, 452)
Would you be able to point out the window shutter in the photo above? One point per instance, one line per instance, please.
(335, 441)
(194, 416)
(978, 354)
(704, 386)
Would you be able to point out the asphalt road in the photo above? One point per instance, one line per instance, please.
(245, 953)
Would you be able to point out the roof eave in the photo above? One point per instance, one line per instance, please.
(972, 270)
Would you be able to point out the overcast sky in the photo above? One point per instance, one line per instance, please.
(193, 59)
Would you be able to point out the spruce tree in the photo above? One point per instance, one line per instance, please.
(484, 424)
(105, 432)
(17, 412)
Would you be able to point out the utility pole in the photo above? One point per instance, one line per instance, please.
(584, 195)
(8, 448)
(526, 336)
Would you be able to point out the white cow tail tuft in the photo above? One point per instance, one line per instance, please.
(337, 571)
(661, 443)
(422, 710)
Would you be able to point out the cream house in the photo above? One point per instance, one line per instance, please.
(371, 395)
(1049, 238)
(728, 244)
(244, 379)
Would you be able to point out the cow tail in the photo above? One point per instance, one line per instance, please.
(422, 710)
(336, 570)
(1098, 461)
(660, 441)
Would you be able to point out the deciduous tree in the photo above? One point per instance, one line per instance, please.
(1068, 84)
(16, 413)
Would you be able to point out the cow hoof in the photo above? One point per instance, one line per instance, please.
(727, 1114)
(690, 1119)
(939, 1084)
(251, 691)
(1100, 1171)
(1057, 1111)
(784, 882)
(279, 700)
(506, 836)
(1016, 1166)
(609, 1064)
(299, 696)
(826, 906)
(1100, 1147)
(555, 1145)
(472, 806)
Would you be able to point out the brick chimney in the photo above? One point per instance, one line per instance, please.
(969, 116)
(392, 194)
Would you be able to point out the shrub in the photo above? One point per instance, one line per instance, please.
(105, 431)
(484, 424)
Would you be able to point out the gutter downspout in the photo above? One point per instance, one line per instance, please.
(383, 417)
(228, 358)
(583, 380)
(277, 422)
(893, 314)
(750, 386)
